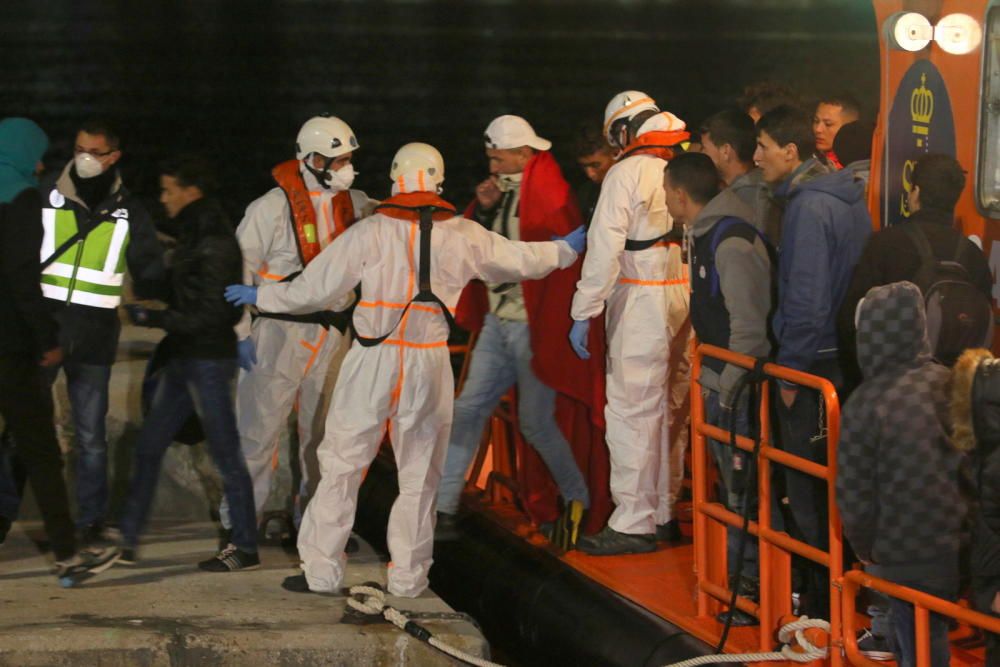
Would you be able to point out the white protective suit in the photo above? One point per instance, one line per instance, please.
(404, 385)
(292, 357)
(648, 327)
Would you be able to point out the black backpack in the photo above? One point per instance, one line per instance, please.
(959, 315)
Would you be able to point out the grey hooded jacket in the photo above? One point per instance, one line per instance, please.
(899, 479)
(745, 283)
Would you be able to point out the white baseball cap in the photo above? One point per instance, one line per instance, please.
(508, 131)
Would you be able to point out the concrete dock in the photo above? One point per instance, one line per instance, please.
(165, 612)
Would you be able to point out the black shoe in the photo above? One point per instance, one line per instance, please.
(874, 647)
(566, 530)
(741, 619)
(99, 535)
(5, 525)
(446, 528)
(231, 559)
(669, 531)
(609, 542)
(296, 584)
(128, 556)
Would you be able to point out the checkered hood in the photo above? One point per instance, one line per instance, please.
(892, 328)
(899, 480)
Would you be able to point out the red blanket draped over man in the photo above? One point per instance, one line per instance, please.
(549, 209)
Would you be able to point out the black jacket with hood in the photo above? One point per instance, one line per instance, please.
(198, 320)
(900, 481)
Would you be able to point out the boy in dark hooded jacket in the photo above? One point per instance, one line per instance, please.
(898, 482)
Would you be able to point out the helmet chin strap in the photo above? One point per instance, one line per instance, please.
(322, 175)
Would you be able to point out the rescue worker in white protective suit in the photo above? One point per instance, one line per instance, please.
(397, 374)
(285, 358)
(634, 264)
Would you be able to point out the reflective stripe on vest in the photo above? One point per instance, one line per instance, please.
(92, 270)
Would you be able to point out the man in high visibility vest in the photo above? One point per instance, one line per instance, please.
(93, 229)
(285, 357)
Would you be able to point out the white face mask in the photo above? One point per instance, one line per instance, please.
(508, 182)
(87, 166)
(342, 178)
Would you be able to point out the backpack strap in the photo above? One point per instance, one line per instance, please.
(927, 259)
(634, 245)
(425, 294)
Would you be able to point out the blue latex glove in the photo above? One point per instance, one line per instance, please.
(578, 337)
(241, 295)
(137, 314)
(246, 353)
(577, 239)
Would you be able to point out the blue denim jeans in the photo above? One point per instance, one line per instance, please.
(502, 357)
(202, 386)
(733, 496)
(903, 623)
(87, 385)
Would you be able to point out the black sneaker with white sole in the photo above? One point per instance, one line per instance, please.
(875, 647)
(128, 556)
(231, 559)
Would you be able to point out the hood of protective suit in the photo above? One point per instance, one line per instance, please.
(892, 329)
(22, 145)
(725, 205)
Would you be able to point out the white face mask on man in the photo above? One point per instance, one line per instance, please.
(87, 166)
(342, 179)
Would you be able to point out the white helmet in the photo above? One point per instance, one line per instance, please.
(622, 108)
(327, 135)
(417, 167)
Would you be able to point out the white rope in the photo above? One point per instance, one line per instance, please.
(374, 605)
(795, 630)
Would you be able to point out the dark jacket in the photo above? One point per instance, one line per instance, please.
(899, 479)
(733, 312)
(823, 230)
(28, 328)
(890, 256)
(87, 334)
(198, 320)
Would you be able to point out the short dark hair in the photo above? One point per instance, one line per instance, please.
(102, 127)
(765, 96)
(590, 139)
(191, 170)
(941, 180)
(846, 101)
(853, 142)
(695, 174)
(789, 125)
(734, 128)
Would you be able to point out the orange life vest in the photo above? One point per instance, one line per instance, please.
(289, 179)
(658, 142)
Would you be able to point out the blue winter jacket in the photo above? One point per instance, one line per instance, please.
(823, 231)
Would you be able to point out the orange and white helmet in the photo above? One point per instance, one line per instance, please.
(621, 109)
(327, 135)
(417, 167)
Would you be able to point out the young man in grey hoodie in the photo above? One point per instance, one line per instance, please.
(730, 304)
(898, 481)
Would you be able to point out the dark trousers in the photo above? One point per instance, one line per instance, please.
(26, 406)
(799, 431)
(903, 623)
(189, 386)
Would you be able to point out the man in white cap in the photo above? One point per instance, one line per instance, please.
(397, 375)
(522, 325)
(285, 357)
(634, 265)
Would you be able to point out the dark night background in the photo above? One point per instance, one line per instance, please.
(234, 80)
